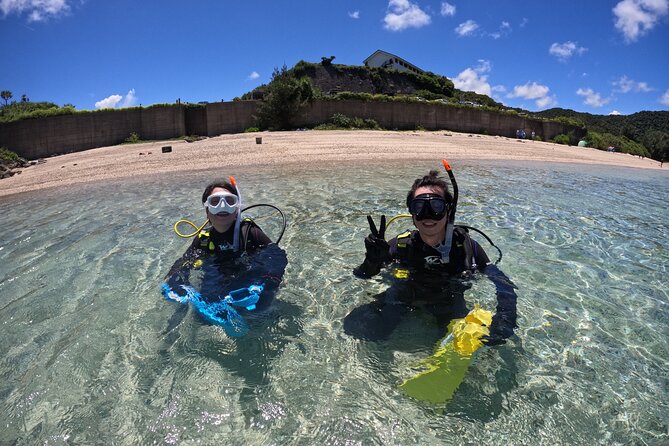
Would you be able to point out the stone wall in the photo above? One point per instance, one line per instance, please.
(42, 137)
(410, 116)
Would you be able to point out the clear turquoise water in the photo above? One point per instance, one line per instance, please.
(92, 354)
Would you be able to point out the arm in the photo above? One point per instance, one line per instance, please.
(504, 320)
(177, 284)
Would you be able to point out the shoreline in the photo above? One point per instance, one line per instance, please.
(303, 148)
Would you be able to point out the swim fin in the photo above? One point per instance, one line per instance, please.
(441, 374)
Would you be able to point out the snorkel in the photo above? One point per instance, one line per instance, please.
(238, 221)
(451, 215)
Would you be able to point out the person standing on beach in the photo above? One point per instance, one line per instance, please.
(237, 260)
(432, 267)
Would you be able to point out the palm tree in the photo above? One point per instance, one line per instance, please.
(6, 95)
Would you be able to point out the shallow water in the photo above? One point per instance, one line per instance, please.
(92, 354)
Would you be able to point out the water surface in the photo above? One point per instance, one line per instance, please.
(92, 354)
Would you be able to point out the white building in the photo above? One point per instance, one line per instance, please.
(383, 59)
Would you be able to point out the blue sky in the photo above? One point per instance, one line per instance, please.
(592, 56)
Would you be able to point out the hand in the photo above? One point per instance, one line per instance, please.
(189, 293)
(375, 243)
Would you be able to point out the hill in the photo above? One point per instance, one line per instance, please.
(332, 79)
(647, 128)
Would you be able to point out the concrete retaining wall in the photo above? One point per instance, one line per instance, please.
(410, 116)
(42, 137)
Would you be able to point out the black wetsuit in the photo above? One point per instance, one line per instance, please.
(258, 260)
(429, 282)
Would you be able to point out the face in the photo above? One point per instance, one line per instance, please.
(221, 222)
(430, 228)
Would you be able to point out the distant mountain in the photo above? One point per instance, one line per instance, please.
(633, 126)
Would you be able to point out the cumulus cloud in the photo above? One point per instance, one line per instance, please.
(354, 14)
(447, 9)
(403, 14)
(474, 79)
(615, 113)
(466, 28)
(254, 75)
(533, 92)
(118, 101)
(634, 18)
(664, 100)
(564, 51)
(625, 85)
(37, 10)
(592, 98)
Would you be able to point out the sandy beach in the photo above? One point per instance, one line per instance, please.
(297, 147)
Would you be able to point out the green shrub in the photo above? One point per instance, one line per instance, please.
(133, 138)
(561, 139)
(8, 155)
(251, 130)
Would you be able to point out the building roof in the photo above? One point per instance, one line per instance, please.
(390, 55)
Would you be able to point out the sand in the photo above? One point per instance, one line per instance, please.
(297, 147)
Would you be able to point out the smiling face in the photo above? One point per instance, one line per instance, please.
(431, 231)
(221, 222)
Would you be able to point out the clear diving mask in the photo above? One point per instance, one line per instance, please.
(222, 203)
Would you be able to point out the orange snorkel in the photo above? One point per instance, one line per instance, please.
(238, 222)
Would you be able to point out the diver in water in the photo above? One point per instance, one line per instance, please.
(431, 267)
(241, 266)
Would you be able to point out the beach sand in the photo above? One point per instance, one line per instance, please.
(300, 148)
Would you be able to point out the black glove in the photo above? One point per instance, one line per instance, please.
(375, 244)
(376, 250)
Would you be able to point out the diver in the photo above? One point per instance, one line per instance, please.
(432, 267)
(239, 266)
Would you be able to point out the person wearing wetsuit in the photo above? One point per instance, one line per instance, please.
(233, 253)
(431, 267)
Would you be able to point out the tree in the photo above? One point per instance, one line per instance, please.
(284, 99)
(6, 95)
(24, 98)
(327, 61)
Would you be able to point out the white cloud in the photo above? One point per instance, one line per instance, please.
(625, 85)
(447, 9)
(37, 10)
(615, 113)
(664, 100)
(403, 14)
(254, 75)
(466, 28)
(504, 29)
(529, 91)
(564, 51)
(534, 92)
(354, 14)
(118, 101)
(474, 79)
(592, 98)
(634, 18)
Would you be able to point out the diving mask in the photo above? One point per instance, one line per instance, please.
(428, 207)
(222, 203)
